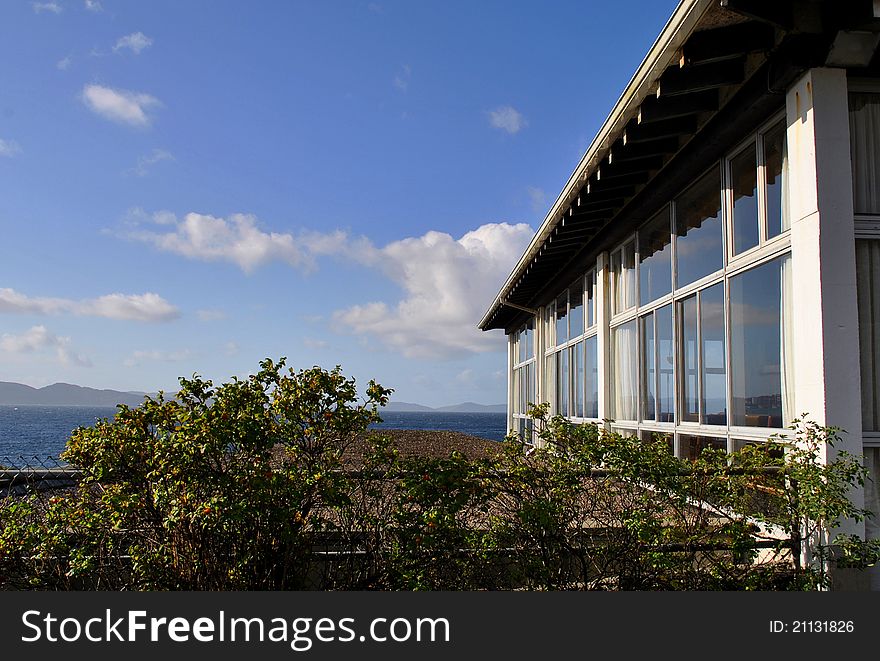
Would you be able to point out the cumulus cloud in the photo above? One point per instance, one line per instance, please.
(237, 239)
(135, 42)
(9, 148)
(145, 163)
(132, 307)
(507, 118)
(156, 356)
(121, 106)
(447, 284)
(94, 5)
(39, 339)
(52, 7)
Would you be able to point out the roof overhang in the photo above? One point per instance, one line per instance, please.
(704, 55)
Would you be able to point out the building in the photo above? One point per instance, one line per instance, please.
(711, 269)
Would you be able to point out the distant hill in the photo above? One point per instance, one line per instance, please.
(64, 394)
(466, 407)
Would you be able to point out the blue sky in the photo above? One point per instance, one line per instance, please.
(193, 186)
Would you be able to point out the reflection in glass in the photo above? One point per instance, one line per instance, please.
(562, 318)
(517, 391)
(591, 387)
(775, 165)
(577, 369)
(623, 274)
(665, 364)
(562, 383)
(648, 372)
(690, 408)
(744, 182)
(576, 309)
(526, 341)
(655, 258)
(624, 349)
(590, 298)
(699, 248)
(756, 306)
(691, 447)
(713, 357)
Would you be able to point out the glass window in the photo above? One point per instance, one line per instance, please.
(744, 183)
(758, 299)
(526, 342)
(714, 356)
(665, 365)
(868, 288)
(691, 447)
(648, 371)
(577, 368)
(562, 383)
(590, 299)
(864, 133)
(647, 436)
(517, 391)
(776, 180)
(562, 318)
(624, 349)
(576, 309)
(591, 373)
(655, 258)
(690, 407)
(623, 277)
(699, 248)
(550, 379)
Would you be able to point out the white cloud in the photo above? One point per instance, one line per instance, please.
(135, 42)
(120, 106)
(311, 343)
(507, 118)
(144, 163)
(94, 5)
(9, 148)
(237, 239)
(40, 7)
(156, 356)
(447, 285)
(132, 307)
(64, 63)
(401, 79)
(210, 315)
(38, 339)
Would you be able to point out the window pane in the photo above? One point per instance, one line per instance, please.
(624, 349)
(868, 288)
(526, 341)
(550, 324)
(714, 355)
(744, 182)
(517, 391)
(755, 338)
(690, 447)
(648, 372)
(666, 361)
(690, 410)
(577, 369)
(550, 379)
(562, 318)
(576, 309)
(590, 298)
(864, 135)
(562, 383)
(699, 248)
(775, 176)
(655, 258)
(623, 270)
(591, 387)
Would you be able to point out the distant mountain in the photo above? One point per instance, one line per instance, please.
(64, 394)
(466, 407)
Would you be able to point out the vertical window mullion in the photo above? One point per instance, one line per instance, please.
(762, 191)
(699, 359)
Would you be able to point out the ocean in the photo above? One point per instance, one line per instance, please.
(29, 434)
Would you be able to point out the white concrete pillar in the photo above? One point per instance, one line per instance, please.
(825, 313)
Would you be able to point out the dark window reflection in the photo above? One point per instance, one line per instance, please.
(576, 309)
(699, 246)
(655, 258)
(744, 181)
(774, 157)
(691, 447)
(562, 318)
